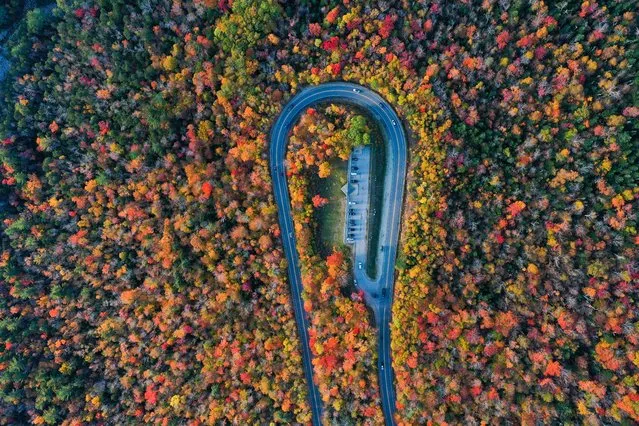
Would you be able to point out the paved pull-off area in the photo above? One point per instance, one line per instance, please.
(357, 190)
(379, 291)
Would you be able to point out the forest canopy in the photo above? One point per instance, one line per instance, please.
(142, 276)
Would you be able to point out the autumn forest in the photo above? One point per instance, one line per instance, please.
(143, 278)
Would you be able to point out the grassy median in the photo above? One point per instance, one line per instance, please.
(329, 220)
(378, 171)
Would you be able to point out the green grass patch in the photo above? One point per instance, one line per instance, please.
(329, 220)
(378, 171)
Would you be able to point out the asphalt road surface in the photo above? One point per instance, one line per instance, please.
(379, 291)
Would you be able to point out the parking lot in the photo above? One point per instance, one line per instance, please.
(357, 199)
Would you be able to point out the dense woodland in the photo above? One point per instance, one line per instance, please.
(10, 12)
(142, 278)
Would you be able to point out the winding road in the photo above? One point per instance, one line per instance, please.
(378, 291)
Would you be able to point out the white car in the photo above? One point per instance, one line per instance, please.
(357, 91)
(394, 122)
(359, 265)
(382, 366)
(290, 235)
